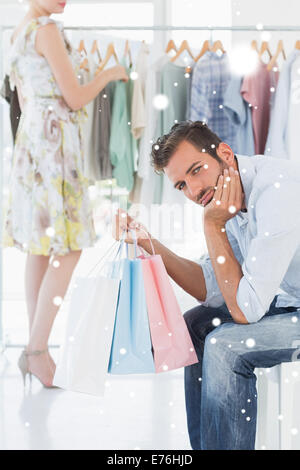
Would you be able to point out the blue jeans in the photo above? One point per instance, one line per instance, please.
(220, 390)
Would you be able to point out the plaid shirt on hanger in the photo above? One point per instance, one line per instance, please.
(211, 76)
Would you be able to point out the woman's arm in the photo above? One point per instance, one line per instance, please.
(50, 44)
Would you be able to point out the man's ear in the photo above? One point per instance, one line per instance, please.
(225, 152)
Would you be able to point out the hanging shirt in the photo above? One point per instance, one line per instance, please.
(138, 109)
(122, 144)
(277, 142)
(145, 170)
(256, 90)
(101, 126)
(277, 145)
(294, 113)
(211, 76)
(239, 113)
(174, 84)
(91, 165)
(265, 240)
(151, 89)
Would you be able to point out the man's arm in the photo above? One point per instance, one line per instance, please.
(227, 270)
(186, 273)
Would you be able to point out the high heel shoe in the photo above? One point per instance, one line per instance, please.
(23, 366)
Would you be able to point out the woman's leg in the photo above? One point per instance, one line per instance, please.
(54, 284)
(35, 269)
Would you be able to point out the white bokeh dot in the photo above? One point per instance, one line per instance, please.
(50, 232)
(216, 321)
(57, 300)
(221, 259)
(134, 75)
(250, 343)
(160, 102)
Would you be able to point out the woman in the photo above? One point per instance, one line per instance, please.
(48, 215)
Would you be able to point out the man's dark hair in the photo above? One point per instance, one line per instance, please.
(195, 132)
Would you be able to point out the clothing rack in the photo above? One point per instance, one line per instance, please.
(157, 28)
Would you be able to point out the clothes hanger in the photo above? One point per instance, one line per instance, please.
(81, 47)
(297, 45)
(254, 46)
(171, 46)
(183, 47)
(279, 50)
(127, 51)
(217, 45)
(94, 49)
(205, 48)
(109, 53)
(264, 48)
(85, 64)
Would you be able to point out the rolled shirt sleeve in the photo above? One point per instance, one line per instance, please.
(271, 250)
(214, 296)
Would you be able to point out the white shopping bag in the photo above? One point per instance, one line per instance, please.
(84, 355)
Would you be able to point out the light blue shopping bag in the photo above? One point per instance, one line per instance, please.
(131, 350)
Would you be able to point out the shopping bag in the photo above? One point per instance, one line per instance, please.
(172, 344)
(84, 354)
(131, 351)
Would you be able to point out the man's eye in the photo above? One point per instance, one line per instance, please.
(181, 186)
(196, 170)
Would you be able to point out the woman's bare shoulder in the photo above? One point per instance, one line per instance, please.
(18, 30)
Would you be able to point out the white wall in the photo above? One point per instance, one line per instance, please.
(268, 13)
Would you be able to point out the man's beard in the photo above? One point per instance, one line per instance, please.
(223, 166)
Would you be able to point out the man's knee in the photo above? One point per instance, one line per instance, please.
(224, 348)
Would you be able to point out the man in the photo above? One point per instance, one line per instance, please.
(252, 229)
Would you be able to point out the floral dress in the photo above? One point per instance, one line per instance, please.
(49, 210)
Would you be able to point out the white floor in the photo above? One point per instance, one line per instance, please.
(146, 412)
(137, 412)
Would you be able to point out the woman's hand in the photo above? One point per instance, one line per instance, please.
(123, 222)
(119, 73)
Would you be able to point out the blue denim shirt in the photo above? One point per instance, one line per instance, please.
(265, 239)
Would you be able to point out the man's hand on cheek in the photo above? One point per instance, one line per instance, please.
(227, 200)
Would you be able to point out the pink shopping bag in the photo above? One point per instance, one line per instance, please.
(172, 344)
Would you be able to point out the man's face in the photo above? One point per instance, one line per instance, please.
(196, 173)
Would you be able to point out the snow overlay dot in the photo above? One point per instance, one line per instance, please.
(250, 343)
(216, 321)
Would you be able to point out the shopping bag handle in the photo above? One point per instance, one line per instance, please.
(121, 245)
(136, 246)
(109, 250)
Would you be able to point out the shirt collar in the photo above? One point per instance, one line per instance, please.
(246, 168)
